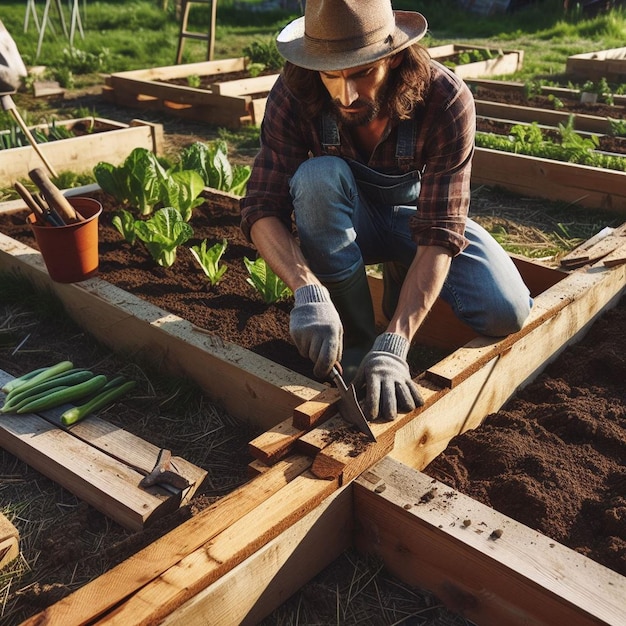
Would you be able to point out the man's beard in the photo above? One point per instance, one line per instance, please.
(368, 110)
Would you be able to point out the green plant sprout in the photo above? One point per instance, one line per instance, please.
(265, 281)
(163, 233)
(209, 259)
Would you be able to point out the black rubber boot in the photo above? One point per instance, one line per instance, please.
(353, 302)
(393, 276)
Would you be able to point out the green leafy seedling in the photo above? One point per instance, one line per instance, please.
(265, 281)
(209, 259)
(163, 233)
(124, 221)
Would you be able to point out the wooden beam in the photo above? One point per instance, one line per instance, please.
(113, 587)
(267, 578)
(215, 559)
(479, 562)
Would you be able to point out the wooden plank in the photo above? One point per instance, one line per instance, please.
(276, 443)
(9, 542)
(249, 386)
(266, 579)
(202, 68)
(113, 587)
(86, 474)
(515, 577)
(313, 412)
(583, 185)
(245, 86)
(108, 485)
(508, 63)
(231, 547)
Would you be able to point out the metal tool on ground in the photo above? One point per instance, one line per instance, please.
(164, 473)
(53, 196)
(349, 406)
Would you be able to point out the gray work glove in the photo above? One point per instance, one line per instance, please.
(385, 373)
(316, 328)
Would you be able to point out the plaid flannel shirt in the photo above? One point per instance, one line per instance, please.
(443, 153)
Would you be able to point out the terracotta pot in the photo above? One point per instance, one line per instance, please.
(71, 252)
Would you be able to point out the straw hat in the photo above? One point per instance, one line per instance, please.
(340, 34)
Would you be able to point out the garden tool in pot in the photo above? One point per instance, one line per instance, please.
(12, 70)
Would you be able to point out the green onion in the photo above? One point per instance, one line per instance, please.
(77, 413)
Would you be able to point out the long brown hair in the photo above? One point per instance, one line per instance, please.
(408, 85)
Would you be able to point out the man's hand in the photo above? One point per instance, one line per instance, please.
(386, 376)
(316, 328)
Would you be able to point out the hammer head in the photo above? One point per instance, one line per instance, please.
(12, 68)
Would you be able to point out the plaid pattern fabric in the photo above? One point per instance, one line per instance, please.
(443, 153)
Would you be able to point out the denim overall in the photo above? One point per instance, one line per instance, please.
(348, 214)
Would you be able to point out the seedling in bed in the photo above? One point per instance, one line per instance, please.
(265, 281)
(209, 259)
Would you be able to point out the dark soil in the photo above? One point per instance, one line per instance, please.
(554, 458)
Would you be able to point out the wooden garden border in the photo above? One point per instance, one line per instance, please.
(229, 104)
(113, 142)
(267, 534)
(509, 62)
(609, 64)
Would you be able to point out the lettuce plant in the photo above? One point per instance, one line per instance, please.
(211, 161)
(141, 182)
(265, 281)
(209, 259)
(163, 233)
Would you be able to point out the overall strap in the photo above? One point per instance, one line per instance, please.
(330, 135)
(405, 145)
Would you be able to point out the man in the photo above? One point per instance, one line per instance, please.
(366, 145)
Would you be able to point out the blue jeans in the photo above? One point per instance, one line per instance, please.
(339, 230)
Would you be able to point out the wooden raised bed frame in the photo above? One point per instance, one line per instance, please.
(509, 62)
(609, 64)
(113, 142)
(231, 104)
(246, 554)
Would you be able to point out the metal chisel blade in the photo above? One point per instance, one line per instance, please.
(349, 406)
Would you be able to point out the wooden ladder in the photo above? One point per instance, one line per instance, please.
(186, 34)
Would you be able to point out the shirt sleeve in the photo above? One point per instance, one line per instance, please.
(447, 146)
(284, 146)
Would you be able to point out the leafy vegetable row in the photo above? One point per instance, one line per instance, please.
(572, 147)
(50, 387)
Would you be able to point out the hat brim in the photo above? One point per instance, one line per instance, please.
(299, 50)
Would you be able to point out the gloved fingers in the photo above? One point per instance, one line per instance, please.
(372, 399)
(407, 396)
(327, 352)
(388, 409)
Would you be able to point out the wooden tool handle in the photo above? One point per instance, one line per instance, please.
(54, 197)
(30, 202)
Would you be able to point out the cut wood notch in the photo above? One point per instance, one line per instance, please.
(599, 246)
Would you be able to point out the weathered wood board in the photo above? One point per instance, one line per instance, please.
(581, 185)
(112, 143)
(98, 462)
(479, 562)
